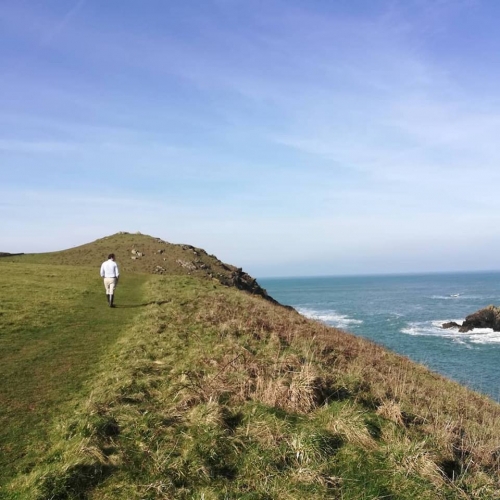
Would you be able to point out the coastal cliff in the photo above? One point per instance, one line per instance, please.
(202, 389)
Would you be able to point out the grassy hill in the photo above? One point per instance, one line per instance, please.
(192, 389)
(138, 253)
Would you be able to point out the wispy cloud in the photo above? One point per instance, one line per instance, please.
(52, 34)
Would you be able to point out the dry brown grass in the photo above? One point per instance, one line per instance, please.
(335, 365)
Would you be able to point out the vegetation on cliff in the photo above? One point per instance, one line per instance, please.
(205, 391)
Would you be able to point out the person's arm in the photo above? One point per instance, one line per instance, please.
(102, 271)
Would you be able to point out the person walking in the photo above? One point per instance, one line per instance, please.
(110, 273)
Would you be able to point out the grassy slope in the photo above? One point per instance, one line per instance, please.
(55, 326)
(213, 393)
(122, 244)
(156, 257)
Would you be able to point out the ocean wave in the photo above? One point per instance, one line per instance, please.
(434, 328)
(478, 336)
(330, 317)
(456, 296)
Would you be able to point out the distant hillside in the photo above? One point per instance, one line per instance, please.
(140, 253)
(7, 254)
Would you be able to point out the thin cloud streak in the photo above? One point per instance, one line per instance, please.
(49, 38)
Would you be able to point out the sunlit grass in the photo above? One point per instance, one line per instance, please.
(207, 392)
(55, 326)
(212, 393)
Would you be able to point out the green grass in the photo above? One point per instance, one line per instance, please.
(156, 252)
(202, 391)
(55, 327)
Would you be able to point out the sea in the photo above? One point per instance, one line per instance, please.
(404, 313)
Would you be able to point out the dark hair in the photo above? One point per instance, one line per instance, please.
(111, 256)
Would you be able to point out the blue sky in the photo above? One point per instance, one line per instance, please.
(287, 137)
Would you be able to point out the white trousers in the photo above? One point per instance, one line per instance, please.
(110, 285)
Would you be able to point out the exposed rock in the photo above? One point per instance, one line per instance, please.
(200, 264)
(190, 266)
(159, 270)
(489, 317)
(450, 324)
(244, 281)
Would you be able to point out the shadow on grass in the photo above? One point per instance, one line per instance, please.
(131, 306)
(77, 482)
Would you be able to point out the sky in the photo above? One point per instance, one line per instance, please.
(287, 137)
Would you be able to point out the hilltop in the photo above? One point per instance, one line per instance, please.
(191, 388)
(140, 253)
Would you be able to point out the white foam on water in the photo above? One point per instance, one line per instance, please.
(484, 336)
(331, 317)
(455, 296)
(395, 315)
(476, 336)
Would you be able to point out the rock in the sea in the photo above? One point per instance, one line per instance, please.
(489, 317)
(450, 324)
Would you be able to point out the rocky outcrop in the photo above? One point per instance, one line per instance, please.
(190, 266)
(230, 275)
(489, 317)
(450, 324)
(243, 281)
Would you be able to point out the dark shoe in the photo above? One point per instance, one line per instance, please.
(111, 301)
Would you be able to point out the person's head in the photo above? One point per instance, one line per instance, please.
(111, 256)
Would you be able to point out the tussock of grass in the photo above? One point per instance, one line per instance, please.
(216, 394)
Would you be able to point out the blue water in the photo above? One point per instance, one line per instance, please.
(405, 314)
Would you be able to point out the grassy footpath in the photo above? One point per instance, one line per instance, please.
(54, 328)
(213, 394)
